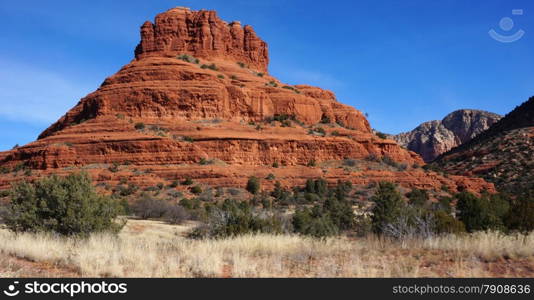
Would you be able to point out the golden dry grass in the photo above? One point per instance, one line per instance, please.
(155, 249)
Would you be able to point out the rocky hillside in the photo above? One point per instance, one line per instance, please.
(433, 138)
(197, 103)
(503, 154)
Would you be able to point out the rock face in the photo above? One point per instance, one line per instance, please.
(197, 102)
(433, 138)
(503, 154)
(201, 34)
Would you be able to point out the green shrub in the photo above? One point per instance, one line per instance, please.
(286, 123)
(444, 203)
(65, 205)
(471, 211)
(260, 74)
(152, 189)
(187, 58)
(521, 214)
(279, 193)
(253, 185)
(139, 126)
(381, 135)
(445, 223)
(187, 203)
(318, 130)
(390, 162)
(197, 189)
(128, 190)
(220, 76)
(234, 218)
(318, 186)
(270, 176)
(20, 167)
(388, 206)
(340, 212)
(114, 168)
(313, 223)
(325, 119)
(4, 213)
(349, 162)
(372, 157)
(328, 217)
(124, 206)
(275, 164)
(418, 197)
(211, 66)
(272, 83)
(481, 213)
(241, 64)
(187, 181)
(175, 194)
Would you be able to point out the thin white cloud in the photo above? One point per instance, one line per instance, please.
(34, 95)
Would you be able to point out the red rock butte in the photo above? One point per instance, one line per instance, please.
(197, 101)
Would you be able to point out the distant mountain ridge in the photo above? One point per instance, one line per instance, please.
(432, 138)
(503, 154)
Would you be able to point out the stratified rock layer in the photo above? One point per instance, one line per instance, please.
(164, 115)
(204, 35)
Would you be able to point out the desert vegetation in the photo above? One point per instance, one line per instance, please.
(155, 249)
(317, 230)
(66, 206)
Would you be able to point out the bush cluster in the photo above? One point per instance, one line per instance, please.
(234, 217)
(331, 215)
(147, 207)
(64, 205)
(381, 135)
(211, 66)
(392, 215)
(253, 185)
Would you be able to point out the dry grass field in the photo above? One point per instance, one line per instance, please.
(155, 249)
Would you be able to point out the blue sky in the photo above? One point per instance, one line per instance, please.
(402, 62)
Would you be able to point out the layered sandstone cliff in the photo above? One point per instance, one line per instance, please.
(197, 102)
(202, 34)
